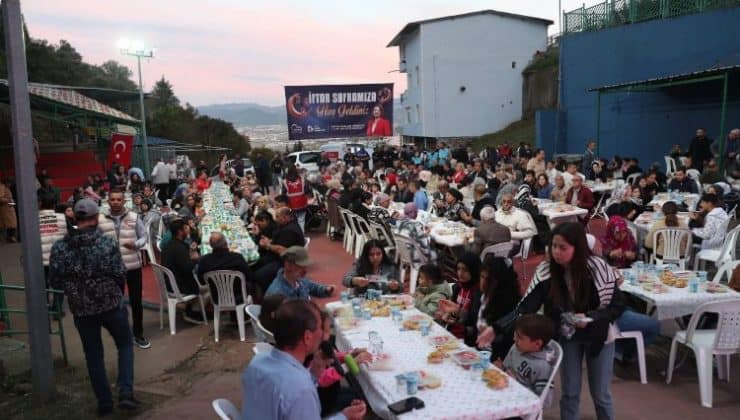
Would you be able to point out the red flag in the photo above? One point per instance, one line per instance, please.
(121, 149)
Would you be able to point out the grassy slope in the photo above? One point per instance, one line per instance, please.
(514, 133)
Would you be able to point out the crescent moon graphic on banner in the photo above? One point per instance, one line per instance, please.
(123, 148)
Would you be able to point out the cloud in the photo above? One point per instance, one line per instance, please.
(218, 51)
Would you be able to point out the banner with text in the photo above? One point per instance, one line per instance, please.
(331, 111)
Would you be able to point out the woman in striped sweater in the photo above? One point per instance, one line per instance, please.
(579, 293)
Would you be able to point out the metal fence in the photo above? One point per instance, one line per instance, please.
(622, 12)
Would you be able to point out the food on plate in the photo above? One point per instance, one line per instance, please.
(411, 324)
(382, 311)
(439, 340)
(715, 288)
(429, 381)
(437, 356)
(681, 283)
(402, 300)
(374, 304)
(655, 287)
(668, 278)
(348, 323)
(449, 346)
(444, 232)
(466, 357)
(495, 379)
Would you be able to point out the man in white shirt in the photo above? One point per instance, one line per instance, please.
(518, 221)
(172, 166)
(161, 179)
(571, 171)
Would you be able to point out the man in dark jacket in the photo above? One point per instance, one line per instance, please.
(482, 199)
(700, 150)
(221, 258)
(89, 268)
(177, 257)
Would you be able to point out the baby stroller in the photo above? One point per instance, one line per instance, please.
(316, 212)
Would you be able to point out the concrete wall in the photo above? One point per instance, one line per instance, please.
(539, 90)
(475, 53)
(645, 125)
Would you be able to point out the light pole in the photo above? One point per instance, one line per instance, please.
(138, 50)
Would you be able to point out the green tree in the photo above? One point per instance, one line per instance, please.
(163, 94)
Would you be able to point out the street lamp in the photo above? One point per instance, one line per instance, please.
(138, 50)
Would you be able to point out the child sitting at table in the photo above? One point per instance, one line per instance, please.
(432, 288)
(326, 366)
(531, 357)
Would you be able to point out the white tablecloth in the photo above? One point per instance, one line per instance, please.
(459, 397)
(677, 302)
(221, 217)
(688, 198)
(601, 187)
(557, 212)
(450, 234)
(647, 219)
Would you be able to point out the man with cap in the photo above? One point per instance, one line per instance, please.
(291, 280)
(87, 265)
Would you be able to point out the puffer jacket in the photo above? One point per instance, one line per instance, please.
(88, 266)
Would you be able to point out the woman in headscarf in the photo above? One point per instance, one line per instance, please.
(620, 247)
(457, 314)
(421, 244)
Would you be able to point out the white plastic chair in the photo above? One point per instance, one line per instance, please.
(640, 344)
(307, 241)
(672, 249)
(693, 174)
(403, 249)
(262, 333)
(164, 278)
(721, 342)
(633, 178)
(379, 232)
(670, 166)
(499, 250)
(725, 270)
(226, 410)
(362, 233)
(348, 241)
(719, 256)
(223, 282)
(555, 368)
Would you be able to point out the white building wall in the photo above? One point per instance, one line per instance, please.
(412, 124)
(476, 53)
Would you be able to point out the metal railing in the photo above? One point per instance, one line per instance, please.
(622, 12)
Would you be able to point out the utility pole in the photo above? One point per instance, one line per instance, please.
(42, 367)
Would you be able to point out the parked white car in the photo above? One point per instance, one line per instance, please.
(308, 160)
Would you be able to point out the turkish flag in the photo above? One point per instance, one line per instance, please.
(121, 149)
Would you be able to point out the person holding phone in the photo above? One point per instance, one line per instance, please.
(373, 270)
(580, 294)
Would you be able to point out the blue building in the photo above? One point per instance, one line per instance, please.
(655, 81)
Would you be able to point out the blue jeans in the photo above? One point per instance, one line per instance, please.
(635, 321)
(89, 327)
(599, 369)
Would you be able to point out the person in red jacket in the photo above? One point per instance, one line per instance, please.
(296, 188)
(378, 126)
(202, 183)
(579, 195)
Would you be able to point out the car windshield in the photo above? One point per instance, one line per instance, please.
(310, 157)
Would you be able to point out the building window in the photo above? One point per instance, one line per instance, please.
(513, 64)
(418, 78)
(408, 115)
(418, 113)
(408, 83)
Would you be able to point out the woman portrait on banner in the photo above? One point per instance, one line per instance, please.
(378, 126)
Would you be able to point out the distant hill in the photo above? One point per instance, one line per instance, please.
(246, 113)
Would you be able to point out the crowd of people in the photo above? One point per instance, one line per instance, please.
(98, 235)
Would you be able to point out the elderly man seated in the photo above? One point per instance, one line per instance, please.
(579, 195)
(518, 221)
(489, 232)
(221, 258)
(482, 199)
(291, 280)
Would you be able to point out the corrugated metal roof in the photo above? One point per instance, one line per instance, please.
(70, 97)
(412, 26)
(671, 78)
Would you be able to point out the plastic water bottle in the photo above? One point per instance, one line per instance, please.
(694, 285)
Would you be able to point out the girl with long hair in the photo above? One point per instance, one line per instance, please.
(499, 295)
(579, 293)
(373, 270)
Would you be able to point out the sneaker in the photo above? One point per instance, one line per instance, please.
(142, 342)
(128, 403)
(191, 318)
